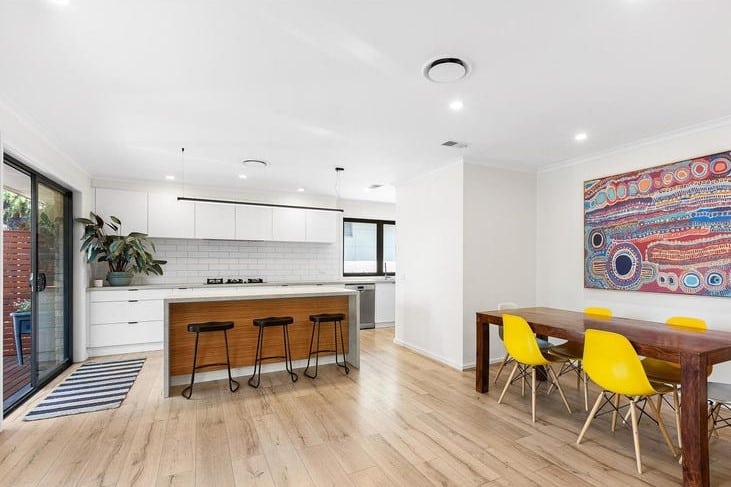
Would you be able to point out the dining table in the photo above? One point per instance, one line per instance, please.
(695, 350)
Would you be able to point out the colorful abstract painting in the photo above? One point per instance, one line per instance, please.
(664, 229)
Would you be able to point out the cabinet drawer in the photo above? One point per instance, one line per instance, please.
(125, 311)
(125, 334)
(127, 294)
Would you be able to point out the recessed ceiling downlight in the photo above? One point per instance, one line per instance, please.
(254, 163)
(446, 70)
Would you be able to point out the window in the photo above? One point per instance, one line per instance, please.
(369, 247)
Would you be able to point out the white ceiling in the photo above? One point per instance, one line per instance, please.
(120, 86)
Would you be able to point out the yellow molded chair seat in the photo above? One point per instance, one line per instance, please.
(611, 362)
(522, 346)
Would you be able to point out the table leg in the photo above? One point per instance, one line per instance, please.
(482, 375)
(694, 419)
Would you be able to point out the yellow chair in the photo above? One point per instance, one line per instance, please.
(611, 362)
(665, 372)
(574, 351)
(522, 346)
(543, 344)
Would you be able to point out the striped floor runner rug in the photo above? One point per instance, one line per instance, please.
(92, 387)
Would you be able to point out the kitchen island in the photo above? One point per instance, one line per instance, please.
(241, 306)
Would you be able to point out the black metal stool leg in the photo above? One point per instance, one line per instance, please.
(309, 355)
(192, 374)
(231, 381)
(288, 355)
(257, 360)
(342, 346)
(316, 352)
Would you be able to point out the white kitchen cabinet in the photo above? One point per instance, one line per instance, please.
(385, 302)
(170, 218)
(215, 221)
(129, 206)
(322, 226)
(125, 320)
(254, 222)
(289, 225)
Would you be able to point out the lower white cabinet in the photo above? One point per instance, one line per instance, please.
(385, 302)
(125, 320)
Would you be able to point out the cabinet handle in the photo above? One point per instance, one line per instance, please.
(133, 301)
(132, 322)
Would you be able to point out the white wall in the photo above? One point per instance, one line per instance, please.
(429, 252)
(499, 246)
(31, 146)
(560, 234)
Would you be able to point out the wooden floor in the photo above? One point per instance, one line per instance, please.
(15, 376)
(401, 420)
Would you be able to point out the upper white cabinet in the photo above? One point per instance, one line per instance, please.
(129, 206)
(170, 218)
(289, 225)
(321, 226)
(215, 221)
(162, 215)
(254, 222)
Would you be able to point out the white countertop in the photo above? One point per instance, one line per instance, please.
(342, 282)
(261, 292)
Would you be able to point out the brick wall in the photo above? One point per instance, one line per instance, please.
(16, 272)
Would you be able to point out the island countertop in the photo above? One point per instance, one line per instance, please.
(241, 306)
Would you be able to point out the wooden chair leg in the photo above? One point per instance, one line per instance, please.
(615, 412)
(554, 378)
(533, 393)
(635, 434)
(661, 425)
(507, 384)
(590, 418)
(676, 404)
(502, 366)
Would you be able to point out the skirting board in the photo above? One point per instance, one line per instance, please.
(120, 349)
(421, 351)
(428, 354)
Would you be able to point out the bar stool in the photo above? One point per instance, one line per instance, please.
(208, 327)
(337, 321)
(262, 323)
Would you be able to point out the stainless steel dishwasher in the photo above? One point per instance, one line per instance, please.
(367, 304)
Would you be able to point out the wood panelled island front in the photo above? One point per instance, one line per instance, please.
(242, 306)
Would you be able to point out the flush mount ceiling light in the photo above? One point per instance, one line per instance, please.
(300, 190)
(456, 105)
(170, 178)
(446, 70)
(242, 176)
(580, 137)
(254, 163)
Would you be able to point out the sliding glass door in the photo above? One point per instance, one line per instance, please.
(50, 282)
(36, 281)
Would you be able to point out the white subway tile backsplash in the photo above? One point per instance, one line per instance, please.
(192, 261)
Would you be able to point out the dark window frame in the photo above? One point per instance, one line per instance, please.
(379, 247)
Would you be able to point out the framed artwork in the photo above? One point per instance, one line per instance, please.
(665, 229)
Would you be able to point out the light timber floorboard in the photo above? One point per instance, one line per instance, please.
(401, 419)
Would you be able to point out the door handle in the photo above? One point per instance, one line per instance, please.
(37, 283)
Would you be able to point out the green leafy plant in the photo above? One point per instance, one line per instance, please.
(123, 253)
(21, 305)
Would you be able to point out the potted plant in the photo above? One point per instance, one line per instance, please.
(125, 254)
(21, 324)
